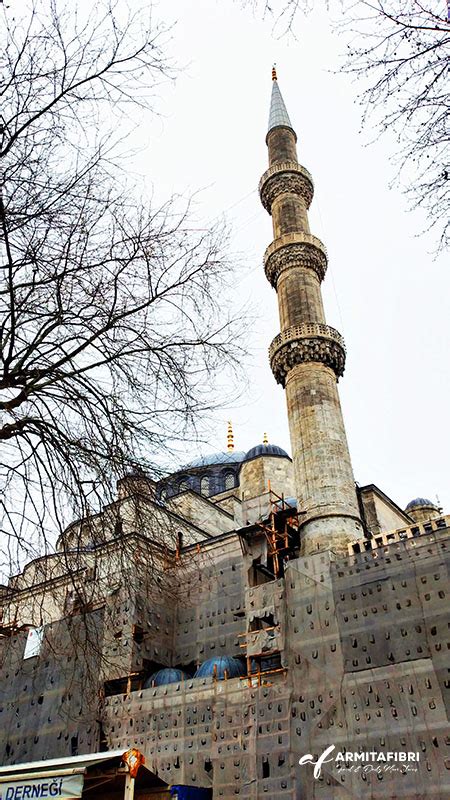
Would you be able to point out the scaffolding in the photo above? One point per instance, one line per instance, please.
(256, 676)
(281, 531)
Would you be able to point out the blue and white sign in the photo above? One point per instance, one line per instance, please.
(63, 788)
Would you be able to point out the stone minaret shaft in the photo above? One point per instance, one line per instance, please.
(308, 356)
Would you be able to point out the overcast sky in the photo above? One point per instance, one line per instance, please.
(383, 290)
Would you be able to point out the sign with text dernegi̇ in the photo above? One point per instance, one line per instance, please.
(63, 788)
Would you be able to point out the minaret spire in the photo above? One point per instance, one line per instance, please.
(308, 356)
(278, 115)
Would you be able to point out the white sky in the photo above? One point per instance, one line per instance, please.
(383, 290)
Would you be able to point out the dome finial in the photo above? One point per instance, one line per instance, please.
(274, 72)
(230, 437)
(265, 439)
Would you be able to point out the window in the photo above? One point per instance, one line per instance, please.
(229, 480)
(138, 634)
(258, 575)
(265, 767)
(205, 488)
(183, 485)
(261, 623)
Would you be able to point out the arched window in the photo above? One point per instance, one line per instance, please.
(229, 480)
(183, 485)
(205, 486)
(163, 495)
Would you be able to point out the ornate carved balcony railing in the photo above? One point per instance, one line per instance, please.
(288, 176)
(300, 344)
(295, 250)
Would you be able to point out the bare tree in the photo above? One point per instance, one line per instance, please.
(402, 50)
(110, 329)
(282, 13)
(398, 51)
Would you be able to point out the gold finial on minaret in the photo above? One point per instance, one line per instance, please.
(274, 73)
(230, 437)
(265, 439)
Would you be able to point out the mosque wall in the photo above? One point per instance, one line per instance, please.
(258, 474)
(379, 512)
(200, 733)
(211, 605)
(49, 703)
(230, 502)
(138, 513)
(348, 651)
(201, 512)
(365, 662)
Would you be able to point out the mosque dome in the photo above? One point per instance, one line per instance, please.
(289, 502)
(421, 509)
(135, 471)
(418, 502)
(164, 676)
(229, 457)
(266, 450)
(232, 666)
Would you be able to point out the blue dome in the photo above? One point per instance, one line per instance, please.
(164, 676)
(233, 666)
(266, 450)
(229, 457)
(420, 501)
(290, 502)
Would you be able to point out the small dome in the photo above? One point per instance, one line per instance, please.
(266, 450)
(229, 457)
(135, 472)
(233, 667)
(290, 502)
(164, 676)
(420, 501)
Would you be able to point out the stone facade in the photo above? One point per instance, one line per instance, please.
(340, 649)
(380, 512)
(259, 475)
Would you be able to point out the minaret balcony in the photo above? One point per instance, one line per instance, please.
(306, 343)
(295, 250)
(288, 177)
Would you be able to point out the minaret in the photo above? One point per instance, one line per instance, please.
(308, 356)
